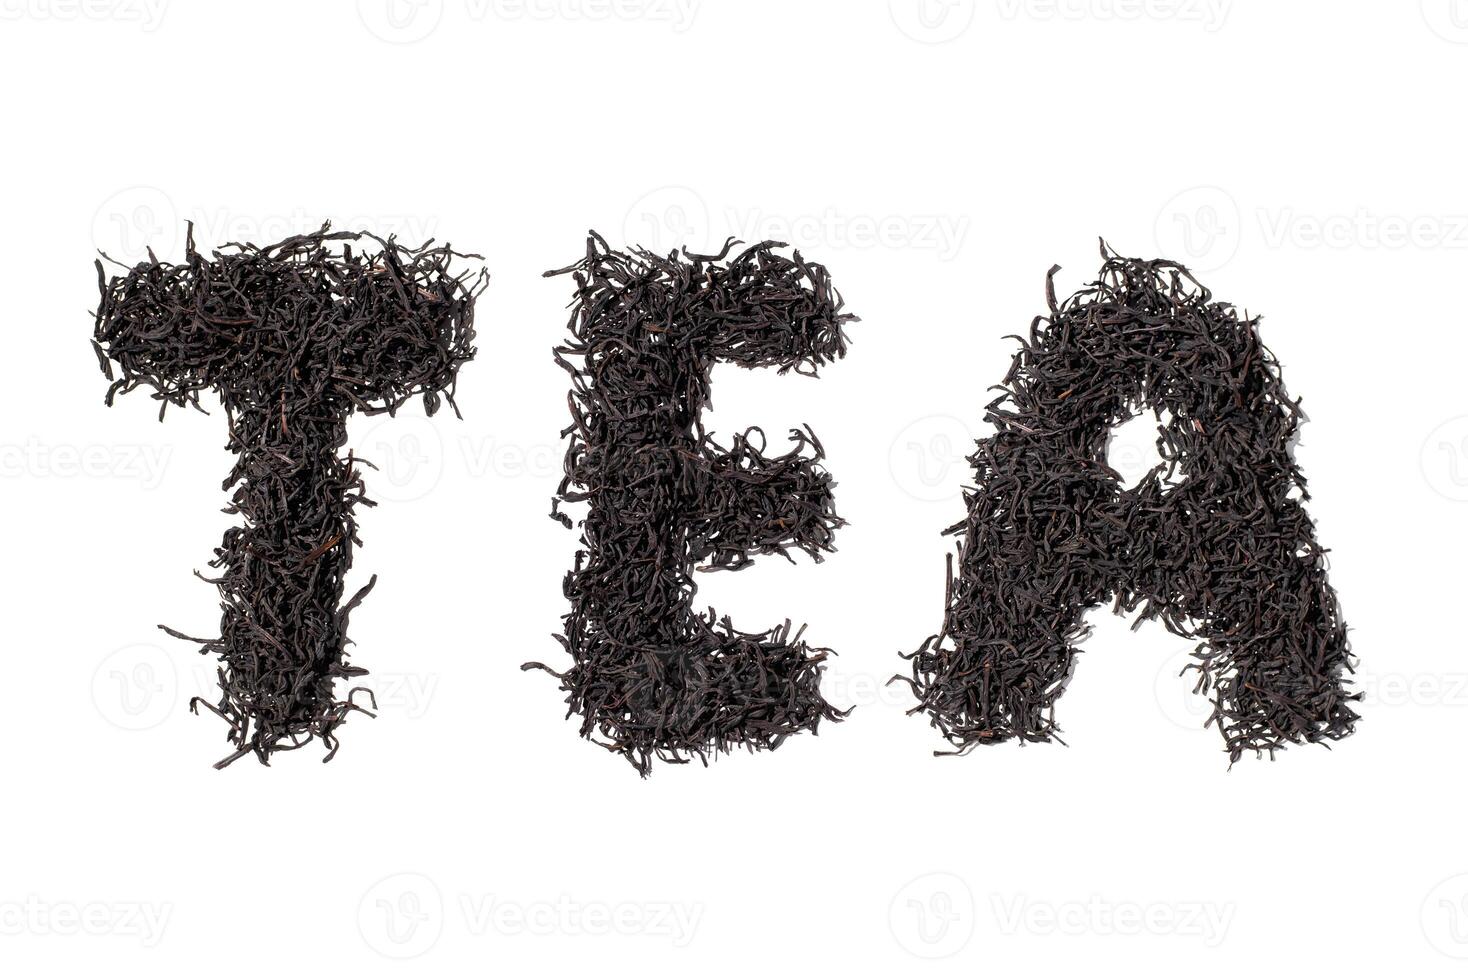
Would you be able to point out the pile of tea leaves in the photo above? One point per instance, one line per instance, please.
(294, 337)
(1215, 542)
(652, 678)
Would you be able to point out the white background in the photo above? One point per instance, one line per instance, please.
(1306, 157)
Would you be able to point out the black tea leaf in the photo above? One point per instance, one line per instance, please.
(294, 337)
(1215, 542)
(650, 676)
